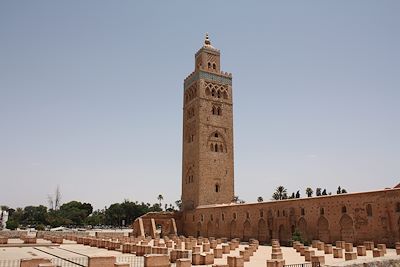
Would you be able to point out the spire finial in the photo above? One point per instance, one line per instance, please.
(207, 41)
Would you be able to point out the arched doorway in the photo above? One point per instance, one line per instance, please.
(302, 228)
(262, 231)
(233, 229)
(323, 229)
(246, 230)
(283, 235)
(210, 229)
(346, 228)
(198, 232)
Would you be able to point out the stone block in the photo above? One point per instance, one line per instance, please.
(302, 250)
(245, 254)
(275, 263)
(232, 245)
(361, 251)
(33, 262)
(217, 253)
(377, 253)
(320, 245)
(382, 247)
(348, 247)
(349, 256)
(328, 249)
(183, 263)
(308, 254)
(340, 244)
(196, 259)
(276, 256)
(338, 252)
(196, 249)
(398, 250)
(3, 240)
(226, 249)
(207, 258)
(318, 259)
(121, 264)
(276, 250)
(206, 247)
(369, 245)
(100, 261)
(314, 243)
(156, 261)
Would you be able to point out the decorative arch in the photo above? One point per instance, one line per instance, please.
(323, 229)
(302, 227)
(283, 234)
(198, 229)
(346, 228)
(216, 142)
(233, 229)
(262, 231)
(246, 230)
(210, 229)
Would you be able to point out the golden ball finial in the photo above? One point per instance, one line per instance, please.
(207, 41)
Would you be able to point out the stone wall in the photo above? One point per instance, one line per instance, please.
(356, 217)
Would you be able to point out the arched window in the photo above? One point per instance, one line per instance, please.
(217, 188)
(213, 92)
(216, 135)
(209, 65)
(214, 110)
(321, 211)
(214, 66)
(216, 148)
(344, 209)
(219, 94)
(211, 217)
(398, 207)
(369, 210)
(234, 215)
(202, 217)
(303, 212)
(223, 217)
(261, 213)
(247, 215)
(212, 147)
(221, 148)
(219, 112)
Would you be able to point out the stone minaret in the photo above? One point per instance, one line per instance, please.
(207, 160)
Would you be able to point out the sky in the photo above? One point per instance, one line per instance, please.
(91, 96)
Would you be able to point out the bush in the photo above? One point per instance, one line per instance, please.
(40, 227)
(12, 225)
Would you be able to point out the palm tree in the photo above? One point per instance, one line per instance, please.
(260, 199)
(309, 192)
(280, 193)
(160, 198)
(318, 191)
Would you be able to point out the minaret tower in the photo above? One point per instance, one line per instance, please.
(207, 160)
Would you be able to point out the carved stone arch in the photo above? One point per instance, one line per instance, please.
(217, 139)
(302, 228)
(247, 230)
(262, 231)
(198, 229)
(233, 229)
(323, 229)
(210, 229)
(283, 234)
(347, 228)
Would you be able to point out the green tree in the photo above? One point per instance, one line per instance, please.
(11, 224)
(324, 192)
(260, 199)
(160, 198)
(298, 194)
(178, 203)
(339, 190)
(309, 192)
(280, 193)
(318, 192)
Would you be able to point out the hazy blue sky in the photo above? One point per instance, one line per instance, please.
(91, 95)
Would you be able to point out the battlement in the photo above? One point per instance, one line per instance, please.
(220, 77)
